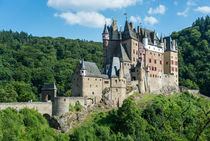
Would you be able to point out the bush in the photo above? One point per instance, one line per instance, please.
(78, 107)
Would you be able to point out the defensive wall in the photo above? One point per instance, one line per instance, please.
(42, 107)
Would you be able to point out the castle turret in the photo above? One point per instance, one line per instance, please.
(49, 92)
(105, 36)
(83, 69)
(161, 42)
(121, 72)
(145, 40)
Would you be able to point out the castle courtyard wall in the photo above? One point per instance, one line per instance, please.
(42, 107)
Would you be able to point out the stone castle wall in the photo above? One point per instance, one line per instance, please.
(61, 104)
(157, 84)
(42, 107)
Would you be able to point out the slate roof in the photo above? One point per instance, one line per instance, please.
(91, 69)
(121, 53)
(114, 69)
(169, 44)
(106, 29)
(129, 32)
(49, 86)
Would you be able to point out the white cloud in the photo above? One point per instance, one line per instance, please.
(184, 13)
(90, 5)
(191, 3)
(203, 9)
(150, 20)
(159, 10)
(89, 19)
(86, 12)
(135, 19)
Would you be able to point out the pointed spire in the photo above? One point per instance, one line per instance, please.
(120, 34)
(106, 29)
(83, 64)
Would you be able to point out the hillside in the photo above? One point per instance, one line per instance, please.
(194, 55)
(177, 117)
(27, 62)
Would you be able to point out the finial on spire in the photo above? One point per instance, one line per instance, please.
(125, 14)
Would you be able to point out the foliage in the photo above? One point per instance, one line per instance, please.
(71, 108)
(194, 55)
(179, 117)
(27, 62)
(78, 106)
(27, 124)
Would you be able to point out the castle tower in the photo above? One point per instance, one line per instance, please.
(171, 58)
(49, 92)
(105, 36)
(83, 69)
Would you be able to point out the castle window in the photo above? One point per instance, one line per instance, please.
(88, 79)
(166, 63)
(172, 68)
(150, 60)
(151, 53)
(155, 61)
(92, 92)
(96, 85)
(155, 69)
(64, 99)
(161, 62)
(176, 69)
(158, 54)
(172, 62)
(96, 79)
(115, 81)
(134, 51)
(90, 86)
(133, 59)
(106, 82)
(100, 79)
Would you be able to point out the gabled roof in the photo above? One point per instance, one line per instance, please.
(49, 86)
(114, 69)
(91, 69)
(121, 53)
(129, 32)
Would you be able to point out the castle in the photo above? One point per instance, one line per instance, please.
(134, 60)
(133, 56)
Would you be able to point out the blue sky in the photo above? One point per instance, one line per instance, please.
(84, 19)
